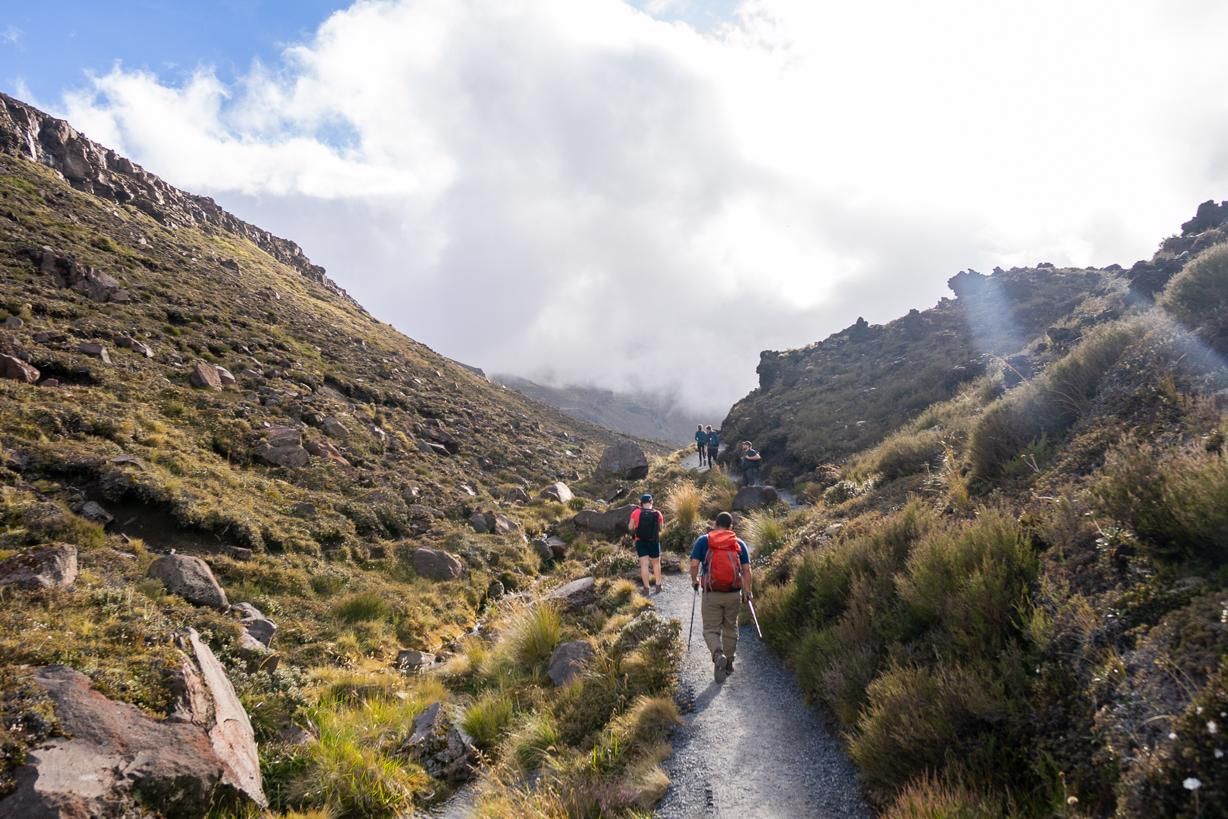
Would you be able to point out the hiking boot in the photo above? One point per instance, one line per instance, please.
(728, 666)
(722, 667)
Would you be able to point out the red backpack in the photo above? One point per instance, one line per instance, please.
(723, 565)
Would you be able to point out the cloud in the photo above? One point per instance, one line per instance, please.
(10, 35)
(586, 192)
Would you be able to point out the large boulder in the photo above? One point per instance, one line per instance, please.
(411, 660)
(575, 595)
(14, 369)
(568, 660)
(95, 350)
(190, 578)
(112, 760)
(443, 750)
(754, 497)
(51, 566)
(205, 376)
(436, 564)
(612, 523)
(624, 459)
(559, 491)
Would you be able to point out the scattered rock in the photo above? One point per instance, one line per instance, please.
(190, 578)
(575, 595)
(205, 376)
(560, 492)
(490, 522)
(516, 495)
(543, 550)
(94, 350)
(255, 623)
(334, 428)
(411, 661)
(443, 750)
(495, 590)
(95, 285)
(612, 523)
(754, 497)
(436, 564)
(282, 446)
(324, 448)
(51, 566)
(138, 347)
(96, 513)
(225, 376)
(568, 660)
(14, 369)
(14, 323)
(256, 656)
(240, 553)
(557, 546)
(625, 460)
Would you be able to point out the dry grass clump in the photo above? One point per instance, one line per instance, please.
(1198, 295)
(932, 797)
(684, 504)
(906, 452)
(764, 532)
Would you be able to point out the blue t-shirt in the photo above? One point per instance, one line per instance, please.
(700, 550)
(714, 439)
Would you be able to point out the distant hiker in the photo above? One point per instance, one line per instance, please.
(714, 444)
(646, 524)
(701, 442)
(726, 582)
(751, 461)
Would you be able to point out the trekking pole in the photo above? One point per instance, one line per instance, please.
(691, 631)
(754, 617)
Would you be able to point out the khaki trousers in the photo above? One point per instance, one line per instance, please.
(719, 611)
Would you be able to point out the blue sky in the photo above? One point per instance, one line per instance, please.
(49, 47)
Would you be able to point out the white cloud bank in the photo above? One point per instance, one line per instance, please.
(577, 190)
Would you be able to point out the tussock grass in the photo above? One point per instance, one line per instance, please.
(904, 453)
(764, 532)
(684, 503)
(1198, 295)
(931, 797)
(1049, 406)
(535, 634)
(488, 719)
(534, 741)
(362, 608)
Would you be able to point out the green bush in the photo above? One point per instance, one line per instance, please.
(1198, 295)
(904, 453)
(1178, 506)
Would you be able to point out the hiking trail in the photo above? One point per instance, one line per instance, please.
(753, 746)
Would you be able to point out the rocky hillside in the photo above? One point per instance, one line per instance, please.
(234, 505)
(648, 417)
(1012, 599)
(822, 403)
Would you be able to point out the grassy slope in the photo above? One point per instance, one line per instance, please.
(331, 543)
(1015, 603)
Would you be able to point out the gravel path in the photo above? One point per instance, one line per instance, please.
(752, 747)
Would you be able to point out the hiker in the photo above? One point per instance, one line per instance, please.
(646, 524)
(713, 438)
(701, 442)
(726, 583)
(751, 460)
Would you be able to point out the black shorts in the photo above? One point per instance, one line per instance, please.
(648, 548)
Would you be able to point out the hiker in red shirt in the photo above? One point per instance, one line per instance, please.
(726, 581)
(646, 524)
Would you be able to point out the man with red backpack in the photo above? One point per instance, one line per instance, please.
(645, 525)
(726, 582)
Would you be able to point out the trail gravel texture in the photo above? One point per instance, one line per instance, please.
(751, 747)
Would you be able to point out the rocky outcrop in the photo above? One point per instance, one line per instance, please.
(95, 350)
(190, 578)
(436, 564)
(443, 750)
(69, 273)
(568, 660)
(111, 760)
(486, 522)
(87, 166)
(611, 523)
(754, 497)
(625, 460)
(52, 566)
(14, 369)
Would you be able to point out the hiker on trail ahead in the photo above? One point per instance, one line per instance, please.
(714, 444)
(701, 442)
(646, 524)
(751, 460)
(726, 582)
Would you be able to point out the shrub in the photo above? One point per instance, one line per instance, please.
(763, 532)
(487, 719)
(918, 718)
(535, 741)
(1178, 506)
(931, 797)
(1198, 295)
(362, 607)
(904, 453)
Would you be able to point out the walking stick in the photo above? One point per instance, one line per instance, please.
(691, 631)
(754, 617)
